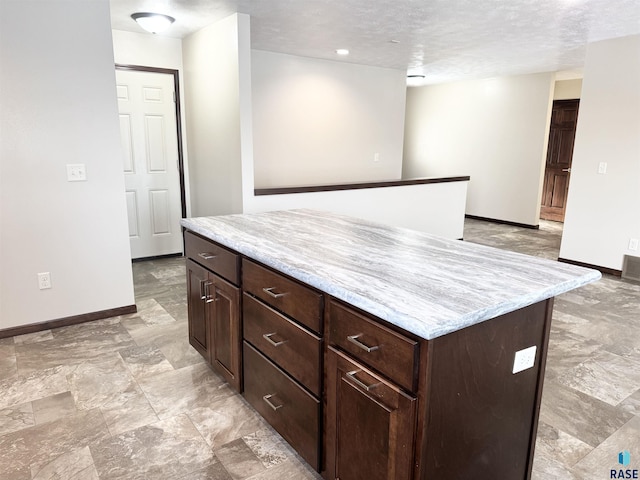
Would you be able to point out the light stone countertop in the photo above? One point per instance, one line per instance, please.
(425, 284)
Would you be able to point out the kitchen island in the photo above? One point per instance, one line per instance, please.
(377, 352)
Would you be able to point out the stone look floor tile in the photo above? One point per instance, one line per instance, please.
(268, 447)
(33, 337)
(170, 448)
(54, 407)
(145, 361)
(8, 366)
(606, 376)
(597, 464)
(183, 390)
(239, 460)
(32, 386)
(73, 465)
(109, 386)
(34, 447)
(225, 420)
(16, 417)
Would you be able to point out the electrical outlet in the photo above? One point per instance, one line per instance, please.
(44, 280)
(602, 168)
(76, 172)
(633, 244)
(376, 157)
(524, 359)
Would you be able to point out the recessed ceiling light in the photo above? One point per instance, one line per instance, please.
(342, 51)
(153, 22)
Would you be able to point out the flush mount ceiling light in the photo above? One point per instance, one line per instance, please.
(153, 22)
(415, 80)
(342, 51)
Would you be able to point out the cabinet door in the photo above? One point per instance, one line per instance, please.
(199, 327)
(370, 424)
(225, 332)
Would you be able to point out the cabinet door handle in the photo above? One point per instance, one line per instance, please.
(207, 293)
(267, 337)
(270, 291)
(354, 339)
(203, 293)
(267, 400)
(206, 255)
(360, 383)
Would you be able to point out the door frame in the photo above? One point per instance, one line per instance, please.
(176, 86)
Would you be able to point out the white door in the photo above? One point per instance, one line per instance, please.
(152, 180)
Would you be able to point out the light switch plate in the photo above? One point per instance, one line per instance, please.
(524, 359)
(76, 172)
(602, 168)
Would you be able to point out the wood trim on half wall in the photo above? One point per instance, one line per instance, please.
(608, 271)
(356, 186)
(66, 321)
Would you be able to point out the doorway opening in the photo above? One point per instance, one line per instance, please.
(562, 133)
(151, 135)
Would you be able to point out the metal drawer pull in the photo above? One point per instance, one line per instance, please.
(267, 337)
(270, 291)
(207, 256)
(207, 293)
(268, 402)
(368, 388)
(354, 339)
(203, 294)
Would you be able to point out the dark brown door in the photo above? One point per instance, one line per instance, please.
(564, 117)
(199, 325)
(225, 338)
(371, 424)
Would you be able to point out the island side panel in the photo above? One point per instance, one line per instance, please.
(481, 417)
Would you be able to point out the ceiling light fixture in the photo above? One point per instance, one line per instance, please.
(342, 51)
(153, 22)
(415, 80)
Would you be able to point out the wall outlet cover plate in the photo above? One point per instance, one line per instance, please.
(524, 359)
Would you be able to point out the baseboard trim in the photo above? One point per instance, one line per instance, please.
(157, 257)
(66, 321)
(503, 222)
(608, 271)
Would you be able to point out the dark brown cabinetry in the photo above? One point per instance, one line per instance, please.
(283, 356)
(360, 398)
(214, 307)
(370, 419)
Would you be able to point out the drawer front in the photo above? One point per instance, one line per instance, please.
(391, 353)
(287, 344)
(292, 411)
(212, 256)
(299, 302)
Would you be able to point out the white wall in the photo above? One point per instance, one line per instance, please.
(567, 89)
(495, 130)
(145, 49)
(213, 125)
(603, 211)
(320, 122)
(58, 106)
(436, 208)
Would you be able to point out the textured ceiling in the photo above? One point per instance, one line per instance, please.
(445, 40)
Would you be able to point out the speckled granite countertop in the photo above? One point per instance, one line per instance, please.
(425, 284)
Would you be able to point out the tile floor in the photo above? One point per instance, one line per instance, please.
(127, 397)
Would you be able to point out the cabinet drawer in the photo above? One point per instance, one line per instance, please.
(212, 256)
(390, 353)
(299, 302)
(292, 411)
(287, 344)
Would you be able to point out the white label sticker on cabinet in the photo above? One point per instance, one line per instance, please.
(524, 359)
